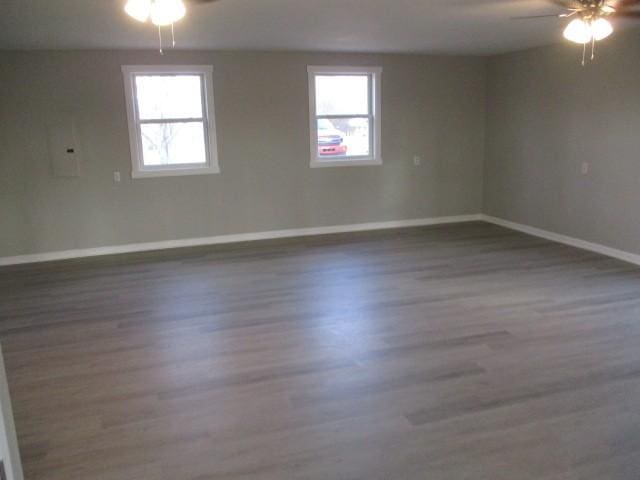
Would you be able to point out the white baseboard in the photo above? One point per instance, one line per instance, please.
(306, 232)
(556, 237)
(236, 238)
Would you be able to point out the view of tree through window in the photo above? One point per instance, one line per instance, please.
(172, 125)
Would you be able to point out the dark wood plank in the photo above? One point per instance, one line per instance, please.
(460, 351)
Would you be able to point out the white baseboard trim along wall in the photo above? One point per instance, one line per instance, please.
(307, 232)
(234, 238)
(556, 237)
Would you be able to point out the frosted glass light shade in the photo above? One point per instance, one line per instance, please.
(601, 29)
(166, 12)
(578, 31)
(138, 9)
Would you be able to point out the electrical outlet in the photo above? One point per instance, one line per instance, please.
(584, 168)
(417, 161)
(116, 177)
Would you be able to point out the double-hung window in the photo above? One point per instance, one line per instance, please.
(345, 116)
(171, 120)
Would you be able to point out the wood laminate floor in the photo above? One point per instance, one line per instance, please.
(455, 352)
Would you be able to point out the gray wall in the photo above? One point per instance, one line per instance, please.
(546, 115)
(432, 106)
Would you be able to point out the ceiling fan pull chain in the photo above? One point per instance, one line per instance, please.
(584, 53)
(160, 39)
(593, 48)
(173, 36)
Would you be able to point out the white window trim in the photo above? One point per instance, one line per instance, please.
(139, 170)
(376, 116)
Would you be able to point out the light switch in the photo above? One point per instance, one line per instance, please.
(584, 168)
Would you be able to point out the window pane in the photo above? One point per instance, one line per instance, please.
(342, 94)
(173, 143)
(169, 96)
(343, 137)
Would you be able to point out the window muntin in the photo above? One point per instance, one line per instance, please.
(345, 116)
(171, 120)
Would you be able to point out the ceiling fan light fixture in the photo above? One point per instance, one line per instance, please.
(584, 31)
(138, 9)
(166, 12)
(578, 31)
(601, 29)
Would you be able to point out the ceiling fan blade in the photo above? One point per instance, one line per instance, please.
(531, 17)
(566, 3)
(202, 1)
(635, 14)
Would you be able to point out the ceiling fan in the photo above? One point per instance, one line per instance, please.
(590, 22)
(161, 13)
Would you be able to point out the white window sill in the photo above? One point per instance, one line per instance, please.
(355, 162)
(174, 172)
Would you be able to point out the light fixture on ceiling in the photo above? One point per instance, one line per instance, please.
(601, 29)
(578, 31)
(162, 13)
(584, 31)
(590, 23)
(589, 28)
(138, 9)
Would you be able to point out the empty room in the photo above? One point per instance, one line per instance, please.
(319, 239)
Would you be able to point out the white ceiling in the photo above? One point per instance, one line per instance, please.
(430, 26)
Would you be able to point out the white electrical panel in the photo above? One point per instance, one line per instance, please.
(64, 149)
